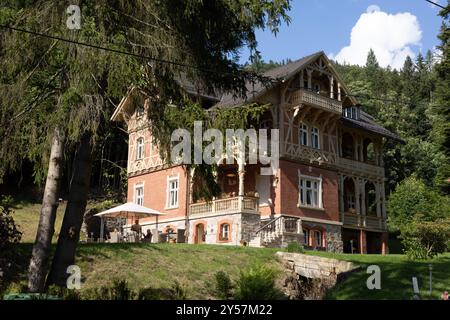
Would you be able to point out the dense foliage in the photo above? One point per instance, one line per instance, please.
(9, 234)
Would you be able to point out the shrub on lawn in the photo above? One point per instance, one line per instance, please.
(118, 291)
(9, 234)
(179, 290)
(426, 239)
(224, 286)
(295, 247)
(257, 283)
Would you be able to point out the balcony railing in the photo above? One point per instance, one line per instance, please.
(228, 205)
(357, 220)
(317, 100)
(360, 167)
(294, 150)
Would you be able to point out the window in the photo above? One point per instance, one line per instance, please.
(315, 141)
(225, 231)
(310, 191)
(139, 195)
(318, 238)
(352, 113)
(172, 199)
(303, 135)
(140, 149)
(139, 111)
(306, 237)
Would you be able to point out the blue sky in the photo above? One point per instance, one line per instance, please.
(346, 29)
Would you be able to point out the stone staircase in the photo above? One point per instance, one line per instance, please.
(278, 233)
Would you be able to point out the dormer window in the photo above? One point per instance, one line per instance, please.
(352, 113)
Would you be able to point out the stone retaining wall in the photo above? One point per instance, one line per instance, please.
(309, 277)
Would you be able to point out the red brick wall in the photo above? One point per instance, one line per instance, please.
(288, 197)
(155, 190)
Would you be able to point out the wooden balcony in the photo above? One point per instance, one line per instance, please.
(302, 96)
(360, 167)
(360, 221)
(312, 155)
(229, 205)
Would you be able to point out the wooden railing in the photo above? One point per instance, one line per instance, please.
(228, 205)
(357, 220)
(360, 167)
(317, 100)
(312, 155)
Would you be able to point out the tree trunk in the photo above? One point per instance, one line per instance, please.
(41, 250)
(73, 216)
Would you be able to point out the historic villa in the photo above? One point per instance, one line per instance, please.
(327, 194)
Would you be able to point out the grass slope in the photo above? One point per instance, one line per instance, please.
(159, 265)
(396, 277)
(26, 216)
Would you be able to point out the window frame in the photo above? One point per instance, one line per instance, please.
(140, 147)
(303, 131)
(137, 197)
(306, 233)
(176, 191)
(221, 231)
(315, 133)
(315, 192)
(352, 112)
(320, 232)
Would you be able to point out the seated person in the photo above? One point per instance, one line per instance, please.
(148, 236)
(137, 228)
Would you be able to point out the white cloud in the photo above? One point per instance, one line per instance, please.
(389, 35)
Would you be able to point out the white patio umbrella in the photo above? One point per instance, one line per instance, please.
(124, 210)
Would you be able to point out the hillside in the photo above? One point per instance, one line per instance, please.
(159, 265)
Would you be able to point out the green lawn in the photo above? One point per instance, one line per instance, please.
(159, 265)
(26, 216)
(396, 277)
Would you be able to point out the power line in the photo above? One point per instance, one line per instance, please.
(436, 4)
(180, 64)
(176, 63)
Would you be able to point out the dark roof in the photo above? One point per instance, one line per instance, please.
(277, 74)
(197, 90)
(367, 122)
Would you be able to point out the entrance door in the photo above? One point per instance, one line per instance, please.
(200, 233)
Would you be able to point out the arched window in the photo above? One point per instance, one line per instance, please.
(318, 238)
(224, 233)
(315, 140)
(303, 135)
(306, 237)
(140, 148)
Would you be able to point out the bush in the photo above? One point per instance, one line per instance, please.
(411, 198)
(295, 247)
(180, 291)
(9, 234)
(425, 239)
(224, 286)
(257, 283)
(118, 291)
